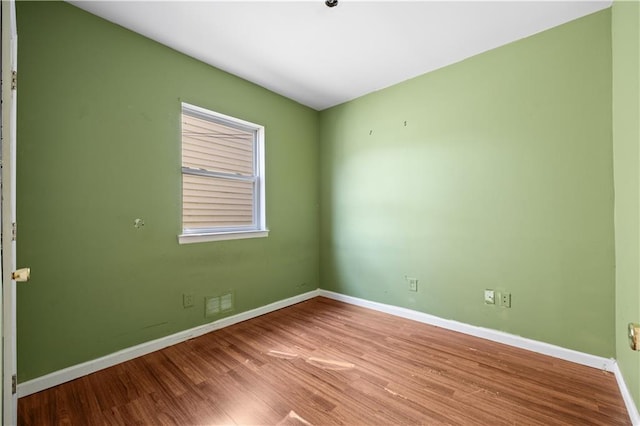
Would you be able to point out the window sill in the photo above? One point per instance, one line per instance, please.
(221, 236)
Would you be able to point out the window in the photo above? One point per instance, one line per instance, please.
(222, 177)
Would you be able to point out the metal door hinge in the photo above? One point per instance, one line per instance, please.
(14, 80)
(14, 231)
(14, 384)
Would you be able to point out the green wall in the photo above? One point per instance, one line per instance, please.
(495, 172)
(99, 146)
(626, 145)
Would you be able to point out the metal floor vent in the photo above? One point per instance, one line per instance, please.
(217, 305)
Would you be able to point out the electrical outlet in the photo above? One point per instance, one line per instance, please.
(187, 300)
(505, 299)
(413, 284)
(489, 297)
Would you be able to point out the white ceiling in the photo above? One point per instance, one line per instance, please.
(321, 56)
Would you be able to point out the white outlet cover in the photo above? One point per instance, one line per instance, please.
(413, 284)
(490, 297)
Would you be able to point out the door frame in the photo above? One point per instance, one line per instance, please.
(8, 212)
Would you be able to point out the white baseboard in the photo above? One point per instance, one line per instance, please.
(485, 333)
(626, 396)
(61, 376)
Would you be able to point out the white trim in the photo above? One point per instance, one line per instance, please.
(9, 401)
(485, 333)
(207, 113)
(259, 227)
(632, 410)
(61, 376)
(220, 236)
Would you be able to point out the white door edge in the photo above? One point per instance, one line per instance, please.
(8, 211)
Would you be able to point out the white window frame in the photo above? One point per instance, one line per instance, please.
(258, 228)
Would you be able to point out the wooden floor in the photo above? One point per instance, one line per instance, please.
(323, 362)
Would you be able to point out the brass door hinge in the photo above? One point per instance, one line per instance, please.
(14, 231)
(14, 80)
(14, 384)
